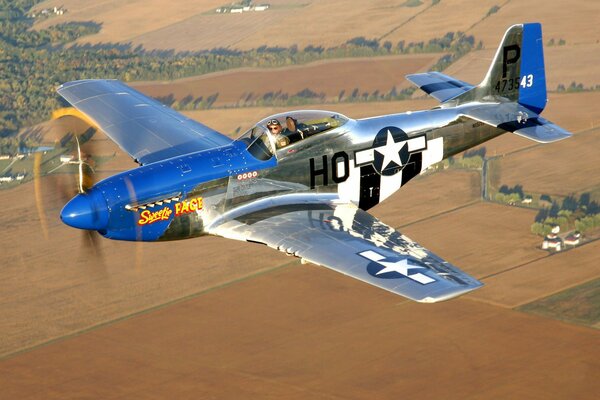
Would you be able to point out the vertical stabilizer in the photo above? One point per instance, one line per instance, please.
(517, 71)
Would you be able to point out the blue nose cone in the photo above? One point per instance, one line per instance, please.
(86, 211)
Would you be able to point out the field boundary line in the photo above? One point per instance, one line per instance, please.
(440, 213)
(148, 310)
(407, 21)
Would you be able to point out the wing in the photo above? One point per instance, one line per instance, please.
(346, 239)
(145, 129)
(440, 86)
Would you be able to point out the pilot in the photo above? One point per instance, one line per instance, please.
(275, 128)
(293, 130)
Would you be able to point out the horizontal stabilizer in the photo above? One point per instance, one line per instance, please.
(515, 118)
(440, 86)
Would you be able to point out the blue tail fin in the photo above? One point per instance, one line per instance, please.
(517, 71)
(532, 86)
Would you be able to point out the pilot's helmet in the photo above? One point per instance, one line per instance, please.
(273, 123)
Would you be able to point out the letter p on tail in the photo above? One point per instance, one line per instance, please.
(517, 72)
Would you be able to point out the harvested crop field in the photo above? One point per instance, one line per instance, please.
(123, 21)
(329, 77)
(576, 24)
(264, 338)
(544, 277)
(579, 305)
(481, 239)
(567, 167)
(190, 25)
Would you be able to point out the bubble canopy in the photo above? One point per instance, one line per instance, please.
(285, 129)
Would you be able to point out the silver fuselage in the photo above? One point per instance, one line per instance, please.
(346, 162)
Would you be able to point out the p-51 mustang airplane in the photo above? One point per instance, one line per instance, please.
(305, 190)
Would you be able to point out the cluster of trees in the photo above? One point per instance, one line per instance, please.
(493, 10)
(35, 62)
(510, 195)
(576, 87)
(281, 99)
(189, 103)
(472, 159)
(472, 162)
(560, 42)
(580, 213)
(451, 42)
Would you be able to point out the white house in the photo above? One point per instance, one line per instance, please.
(552, 243)
(573, 239)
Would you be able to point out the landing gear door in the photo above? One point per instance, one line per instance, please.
(370, 183)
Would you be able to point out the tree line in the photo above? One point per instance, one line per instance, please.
(34, 62)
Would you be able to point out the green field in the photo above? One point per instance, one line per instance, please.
(580, 305)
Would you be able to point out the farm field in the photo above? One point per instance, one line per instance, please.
(215, 318)
(122, 21)
(543, 277)
(295, 22)
(576, 305)
(328, 77)
(265, 337)
(576, 22)
(185, 25)
(482, 239)
(574, 163)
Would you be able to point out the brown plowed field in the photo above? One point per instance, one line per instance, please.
(566, 167)
(266, 338)
(329, 77)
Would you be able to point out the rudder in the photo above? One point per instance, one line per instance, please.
(517, 71)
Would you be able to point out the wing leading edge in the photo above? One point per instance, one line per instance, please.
(144, 128)
(346, 239)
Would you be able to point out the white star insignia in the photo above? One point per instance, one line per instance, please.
(391, 151)
(401, 267)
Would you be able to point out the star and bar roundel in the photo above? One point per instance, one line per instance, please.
(397, 267)
(390, 162)
(391, 151)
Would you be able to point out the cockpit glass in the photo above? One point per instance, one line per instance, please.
(259, 143)
(286, 129)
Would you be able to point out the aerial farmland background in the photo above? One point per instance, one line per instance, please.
(211, 317)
